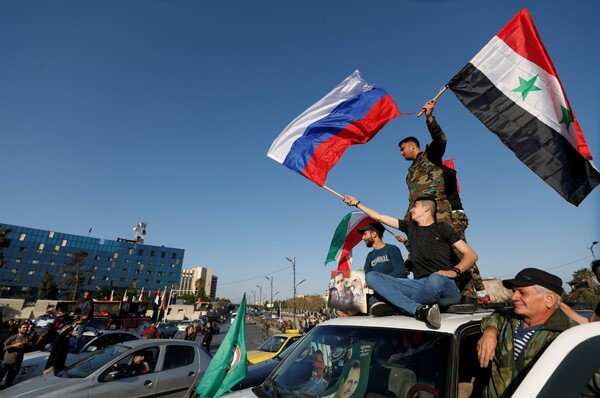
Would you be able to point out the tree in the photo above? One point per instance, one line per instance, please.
(48, 289)
(186, 299)
(199, 285)
(73, 273)
(4, 241)
(584, 291)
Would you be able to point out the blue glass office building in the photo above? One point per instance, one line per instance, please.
(28, 253)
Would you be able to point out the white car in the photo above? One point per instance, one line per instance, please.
(182, 325)
(169, 368)
(34, 362)
(398, 356)
(566, 366)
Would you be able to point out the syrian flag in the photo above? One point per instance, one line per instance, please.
(164, 299)
(352, 113)
(450, 164)
(511, 86)
(157, 298)
(346, 236)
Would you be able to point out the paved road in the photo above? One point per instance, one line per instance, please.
(253, 336)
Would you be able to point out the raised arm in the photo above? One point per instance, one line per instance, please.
(387, 220)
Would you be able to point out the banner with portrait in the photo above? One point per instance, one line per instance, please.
(347, 291)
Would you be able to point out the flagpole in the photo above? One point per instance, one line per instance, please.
(342, 197)
(333, 192)
(435, 98)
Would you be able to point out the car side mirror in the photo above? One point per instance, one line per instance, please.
(92, 348)
(48, 347)
(112, 375)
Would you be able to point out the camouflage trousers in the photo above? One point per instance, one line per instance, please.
(471, 281)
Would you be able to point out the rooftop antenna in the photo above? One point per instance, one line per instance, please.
(140, 231)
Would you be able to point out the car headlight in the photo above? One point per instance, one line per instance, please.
(27, 370)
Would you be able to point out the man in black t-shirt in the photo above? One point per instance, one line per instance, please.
(435, 265)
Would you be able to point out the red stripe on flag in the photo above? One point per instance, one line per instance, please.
(521, 35)
(359, 132)
(352, 239)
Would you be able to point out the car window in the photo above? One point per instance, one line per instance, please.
(358, 361)
(138, 363)
(291, 341)
(177, 356)
(90, 364)
(109, 339)
(273, 344)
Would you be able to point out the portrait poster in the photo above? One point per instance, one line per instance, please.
(354, 377)
(347, 291)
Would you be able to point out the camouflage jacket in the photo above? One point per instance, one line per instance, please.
(507, 373)
(426, 178)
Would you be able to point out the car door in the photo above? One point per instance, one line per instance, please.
(180, 370)
(118, 379)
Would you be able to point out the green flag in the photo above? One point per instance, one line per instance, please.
(228, 366)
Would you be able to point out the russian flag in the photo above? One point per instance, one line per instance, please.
(352, 113)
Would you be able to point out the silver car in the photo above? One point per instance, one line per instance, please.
(140, 368)
(34, 362)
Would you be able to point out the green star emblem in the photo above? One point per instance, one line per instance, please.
(525, 86)
(567, 118)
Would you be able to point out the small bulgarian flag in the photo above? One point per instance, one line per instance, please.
(346, 236)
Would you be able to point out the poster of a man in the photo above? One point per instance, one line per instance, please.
(350, 382)
(346, 291)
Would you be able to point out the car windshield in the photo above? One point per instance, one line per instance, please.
(273, 344)
(90, 364)
(356, 361)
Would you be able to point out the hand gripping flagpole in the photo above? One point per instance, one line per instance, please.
(435, 98)
(342, 197)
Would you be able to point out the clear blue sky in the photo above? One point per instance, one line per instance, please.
(117, 111)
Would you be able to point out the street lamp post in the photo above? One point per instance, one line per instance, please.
(293, 261)
(592, 248)
(271, 280)
(260, 297)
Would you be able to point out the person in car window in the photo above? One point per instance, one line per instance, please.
(318, 380)
(513, 340)
(137, 365)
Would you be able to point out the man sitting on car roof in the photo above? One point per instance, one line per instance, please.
(435, 264)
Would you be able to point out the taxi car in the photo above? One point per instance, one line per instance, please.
(272, 347)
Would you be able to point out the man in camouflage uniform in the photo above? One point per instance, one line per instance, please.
(425, 177)
(428, 177)
(514, 340)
